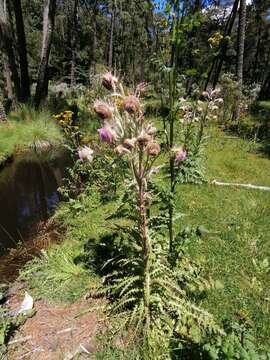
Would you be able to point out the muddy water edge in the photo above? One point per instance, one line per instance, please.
(28, 197)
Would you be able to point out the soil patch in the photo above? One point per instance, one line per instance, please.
(56, 332)
(41, 237)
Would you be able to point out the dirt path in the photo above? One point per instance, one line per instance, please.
(56, 332)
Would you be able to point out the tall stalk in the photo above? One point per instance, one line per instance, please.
(126, 129)
(145, 240)
(172, 98)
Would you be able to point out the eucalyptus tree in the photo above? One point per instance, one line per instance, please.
(240, 48)
(6, 45)
(22, 51)
(48, 27)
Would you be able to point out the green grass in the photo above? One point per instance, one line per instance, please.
(239, 221)
(24, 128)
(62, 273)
(236, 160)
(234, 252)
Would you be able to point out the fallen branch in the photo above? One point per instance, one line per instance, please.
(67, 330)
(20, 340)
(247, 186)
(80, 349)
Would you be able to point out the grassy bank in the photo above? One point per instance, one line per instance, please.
(236, 251)
(234, 248)
(27, 128)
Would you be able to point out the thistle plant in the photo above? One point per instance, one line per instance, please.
(127, 131)
(150, 295)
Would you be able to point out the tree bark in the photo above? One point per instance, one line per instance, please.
(73, 45)
(48, 28)
(6, 44)
(240, 56)
(110, 60)
(7, 76)
(3, 116)
(265, 90)
(22, 50)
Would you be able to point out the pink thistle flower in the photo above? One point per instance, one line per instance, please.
(131, 104)
(153, 149)
(178, 153)
(143, 139)
(107, 134)
(86, 153)
(109, 81)
(129, 143)
(181, 155)
(103, 110)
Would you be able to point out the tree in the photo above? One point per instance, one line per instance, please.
(240, 57)
(48, 27)
(216, 67)
(265, 90)
(3, 116)
(6, 44)
(110, 59)
(73, 44)
(25, 81)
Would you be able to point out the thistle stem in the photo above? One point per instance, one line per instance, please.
(145, 240)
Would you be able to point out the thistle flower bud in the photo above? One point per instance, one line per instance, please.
(219, 101)
(109, 81)
(129, 143)
(151, 130)
(86, 153)
(131, 104)
(206, 95)
(143, 139)
(121, 150)
(153, 149)
(103, 110)
(215, 93)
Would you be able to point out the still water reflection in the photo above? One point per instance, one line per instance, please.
(28, 194)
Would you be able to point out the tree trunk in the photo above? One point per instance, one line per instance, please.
(110, 60)
(6, 44)
(94, 47)
(265, 90)
(73, 45)
(7, 76)
(218, 60)
(240, 56)
(25, 81)
(3, 116)
(48, 27)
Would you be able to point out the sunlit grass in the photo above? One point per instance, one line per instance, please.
(238, 220)
(24, 128)
(233, 252)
